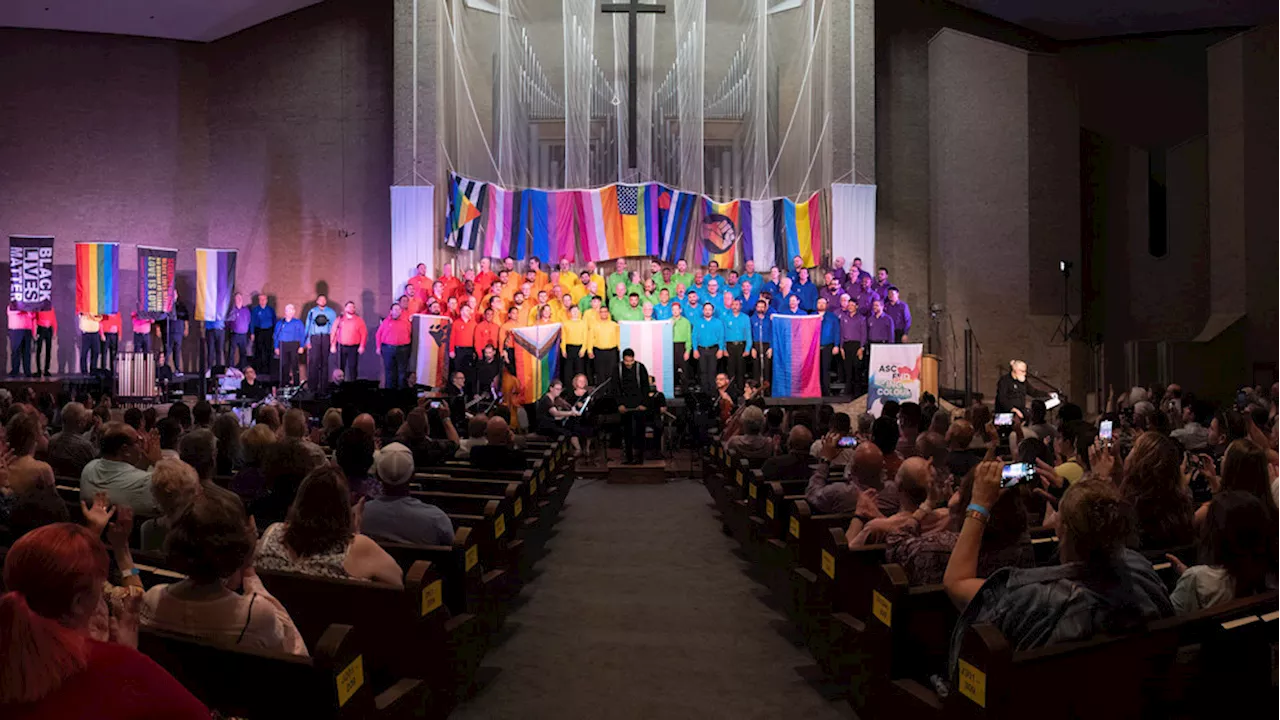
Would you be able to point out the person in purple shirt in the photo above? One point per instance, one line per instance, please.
(239, 320)
(853, 279)
(879, 325)
(853, 338)
(838, 271)
(865, 296)
(897, 309)
(807, 291)
(831, 292)
(881, 285)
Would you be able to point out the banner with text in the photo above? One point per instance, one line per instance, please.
(157, 270)
(31, 272)
(893, 374)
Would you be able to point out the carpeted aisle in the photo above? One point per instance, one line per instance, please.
(642, 610)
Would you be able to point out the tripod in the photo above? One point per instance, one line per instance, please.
(1066, 326)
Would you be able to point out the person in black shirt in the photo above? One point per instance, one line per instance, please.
(174, 328)
(551, 410)
(631, 383)
(1012, 390)
(487, 371)
(250, 388)
(498, 453)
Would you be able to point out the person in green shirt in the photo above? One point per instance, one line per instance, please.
(665, 280)
(619, 275)
(634, 285)
(618, 300)
(590, 306)
(650, 292)
(682, 276)
(631, 311)
(681, 336)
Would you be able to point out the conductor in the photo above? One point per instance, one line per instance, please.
(1012, 390)
(632, 382)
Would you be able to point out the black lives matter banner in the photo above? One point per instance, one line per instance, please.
(31, 272)
(157, 270)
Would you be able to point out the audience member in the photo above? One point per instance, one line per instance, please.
(354, 455)
(476, 427)
(283, 472)
(69, 450)
(168, 433)
(884, 433)
(959, 437)
(319, 536)
(913, 483)
(395, 515)
(330, 427)
(1244, 468)
(1152, 485)
(794, 464)
(202, 415)
(365, 423)
(230, 457)
(1037, 426)
(909, 419)
(841, 425)
(123, 471)
(750, 444)
(1237, 554)
(1067, 447)
(498, 452)
(827, 495)
(199, 449)
(23, 435)
(258, 442)
(173, 485)
(415, 435)
(294, 429)
(181, 412)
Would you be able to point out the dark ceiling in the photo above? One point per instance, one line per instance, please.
(1082, 19)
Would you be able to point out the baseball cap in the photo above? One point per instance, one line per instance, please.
(394, 464)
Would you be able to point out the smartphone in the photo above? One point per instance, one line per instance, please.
(1104, 430)
(1004, 418)
(1016, 474)
(848, 441)
(435, 404)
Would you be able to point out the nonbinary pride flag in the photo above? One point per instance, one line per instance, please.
(431, 349)
(651, 341)
(537, 359)
(795, 355)
(215, 282)
(97, 278)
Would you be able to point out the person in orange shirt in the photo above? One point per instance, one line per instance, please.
(111, 335)
(486, 331)
(545, 316)
(21, 323)
(416, 304)
(420, 284)
(451, 282)
(46, 328)
(391, 343)
(540, 278)
(462, 343)
(505, 343)
(348, 340)
(485, 278)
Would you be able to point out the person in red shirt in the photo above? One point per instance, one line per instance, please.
(420, 284)
(484, 278)
(46, 328)
(462, 342)
(451, 282)
(391, 343)
(141, 332)
(21, 323)
(349, 337)
(60, 657)
(486, 332)
(111, 334)
(416, 304)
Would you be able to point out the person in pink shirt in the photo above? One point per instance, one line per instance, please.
(349, 337)
(46, 328)
(21, 323)
(391, 342)
(141, 332)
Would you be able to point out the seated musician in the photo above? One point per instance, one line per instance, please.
(583, 429)
(250, 388)
(552, 411)
(725, 402)
(1101, 588)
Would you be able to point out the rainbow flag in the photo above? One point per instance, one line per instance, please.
(215, 283)
(798, 230)
(97, 278)
(431, 349)
(639, 218)
(796, 343)
(720, 232)
(537, 359)
(651, 341)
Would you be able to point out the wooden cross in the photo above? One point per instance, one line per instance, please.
(633, 9)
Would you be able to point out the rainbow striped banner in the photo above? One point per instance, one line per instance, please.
(215, 282)
(796, 344)
(651, 341)
(97, 278)
(537, 359)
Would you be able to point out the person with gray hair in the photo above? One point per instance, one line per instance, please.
(794, 465)
(69, 451)
(750, 444)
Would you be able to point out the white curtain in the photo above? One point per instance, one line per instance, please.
(413, 222)
(853, 223)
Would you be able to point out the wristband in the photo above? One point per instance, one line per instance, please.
(130, 572)
(975, 507)
(864, 519)
(980, 517)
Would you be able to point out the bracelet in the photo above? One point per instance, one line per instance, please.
(130, 572)
(864, 519)
(975, 507)
(980, 517)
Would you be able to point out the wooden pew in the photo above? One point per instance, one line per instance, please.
(469, 586)
(489, 521)
(416, 634)
(332, 683)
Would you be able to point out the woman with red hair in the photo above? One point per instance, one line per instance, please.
(56, 660)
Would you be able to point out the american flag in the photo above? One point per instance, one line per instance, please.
(628, 199)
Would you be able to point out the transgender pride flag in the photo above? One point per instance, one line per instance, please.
(651, 341)
(796, 344)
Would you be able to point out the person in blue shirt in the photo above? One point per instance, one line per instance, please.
(733, 286)
(289, 335)
(830, 342)
(780, 302)
(797, 264)
(708, 346)
(749, 275)
(262, 321)
(215, 339)
(320, 322)
(773, 285)
(737, 335)
(713, 295)
(692, 308)
(749, 295)
(662, 310)
(761, 339)
(793, 305)
(807, 291)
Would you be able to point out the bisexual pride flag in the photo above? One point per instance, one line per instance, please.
(97, 278)
(796, 344)
(215, 282)
(537, 359)
(651, 341)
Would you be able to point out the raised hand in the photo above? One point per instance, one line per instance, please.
(97, 515)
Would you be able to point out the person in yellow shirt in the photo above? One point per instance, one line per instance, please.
(572, 285)
(591, 315)
(564, 306)
(602, 346)
(573, 345)
(543, 315)
(595, 276)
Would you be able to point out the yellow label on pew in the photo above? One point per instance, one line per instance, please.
(973, 683)
(519, 506)
(829, 564)
(350, 680)
(473, 556)
(795, 527)
(499, 526)
(533, 487)
(751, 490)
(882, 608)
(432, 597)
(739, 478)
(768, 509)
